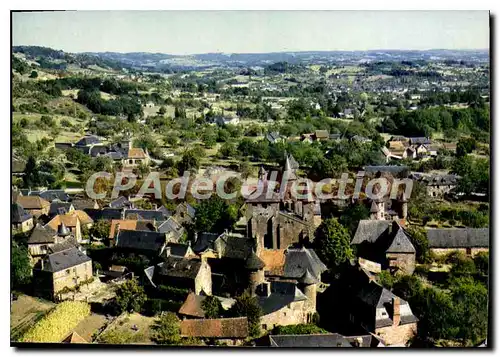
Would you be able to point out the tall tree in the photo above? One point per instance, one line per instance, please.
(332, 243)
(130, 296)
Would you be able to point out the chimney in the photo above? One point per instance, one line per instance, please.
(396, 315)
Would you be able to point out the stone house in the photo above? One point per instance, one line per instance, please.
(59, 207)
(231, 331)
(35, 205)
(387, 243)
(184, 213)
(74, 221)
(469, 241)
(129, 225)
(439, 185)
(60, 271)
(192, 274)
(382, 313)
(136, 157)
(21, 220)
(43, 239)
(149, 243)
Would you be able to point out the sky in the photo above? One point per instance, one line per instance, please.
(189, 32)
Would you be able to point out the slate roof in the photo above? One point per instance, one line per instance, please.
(298, 261)
(42, 234)
(204, 241)
(308, 341)
(236, 327)
(51, 195)
(401, 243)
(140, 240)
(143, 214)
(233, 246)
(19, 215)
(165, 211)
(253, 262)
(440, 180)
(68, 243)
(125, 224)
(64, 259)
(273, 137)
(179, 267)
(88, 140)
(179, 249)
(120, 202)
(458, 237)
(105, 214)
(171, 226)
(369, 230)
(419, 140)
(59, 207)
(282, 294)
(190, 210)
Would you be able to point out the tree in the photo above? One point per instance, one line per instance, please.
(248, 306)
(162, 110)
(481, 260)
(419, 240)
(34, 74)
(100, 229)
(215, 215)
(299, 329)
(31, 176)
(352, 215)
(228, 149)
(190, 161)
(20, 272)
(167, 329)
(212, 307)
(332, 243)
(130, 296)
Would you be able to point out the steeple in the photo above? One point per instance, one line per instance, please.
(62, 230)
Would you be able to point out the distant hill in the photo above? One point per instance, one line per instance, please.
(161, 62)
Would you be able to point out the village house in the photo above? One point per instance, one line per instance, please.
(62, 271)
(49, 195)
(43, 239)
(229, 331)
(121, 202)
(321, 135)
(387, 243)
(469, 241)
(440, 185)
(382, 313)
(34, 205)
(129, 225)
(74, 221)
(274, 137)
(149, 243)
(192, 274)
(20, 219)
(184, 213)
(59, 207)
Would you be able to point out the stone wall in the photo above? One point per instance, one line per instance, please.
(446, 251)
(396, 335)
(404, 261)
(203, 281)
(292, 314)
(71, 277)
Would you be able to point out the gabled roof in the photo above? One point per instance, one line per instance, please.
(120, 202)
(136, 153)
(64, 259)
(69, 220)
(253, 262)
(400, 243)
(107, 213)
(82, 204)
(88, 140)
(298, 261)
(459, 238)
(32, 202)
(165, 211)
(205, 241)
(140, 240)
(192, 306)
(179, 249)
(42, 234)
(236, 327)
(125, 224)
(68, 243)
(73, 337)
(307, 341)
(233, 246)
(369, 230)
(59, 207)
(170, 226)
(144, 214)
(19, 215)
(179, 267)
(282, 294)
(190, 210)
(51, 195)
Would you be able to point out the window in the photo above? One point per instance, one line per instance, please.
(130, 161)
(67, 271)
